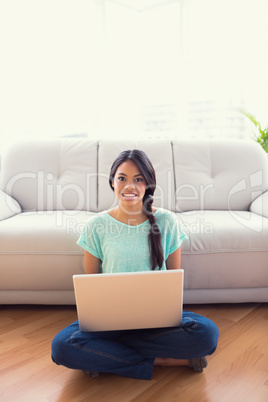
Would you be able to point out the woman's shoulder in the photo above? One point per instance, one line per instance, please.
(161, 213)
(168, 221)
(164, 217)
(97, 218)
(167, 218)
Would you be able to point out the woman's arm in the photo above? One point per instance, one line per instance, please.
(92, 264)
(174, 260)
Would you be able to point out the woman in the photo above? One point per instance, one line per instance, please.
(134, 236)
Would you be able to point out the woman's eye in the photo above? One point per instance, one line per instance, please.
(120, 178)
(139, 179)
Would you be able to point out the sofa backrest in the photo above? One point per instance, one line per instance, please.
(74, 174)
(191, 175)
(218, 175)
(52, 175)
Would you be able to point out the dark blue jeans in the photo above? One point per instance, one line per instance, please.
(131, 353)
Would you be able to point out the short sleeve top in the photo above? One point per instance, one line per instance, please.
(125, 248)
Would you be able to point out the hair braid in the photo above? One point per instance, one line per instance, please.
(154, 237)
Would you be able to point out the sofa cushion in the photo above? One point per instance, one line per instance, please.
(52, 175)
(38, 250)
(225, 249)
(8, 206)
(160, 154)
(218, 175)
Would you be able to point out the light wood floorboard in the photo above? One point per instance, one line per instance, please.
(238, 370)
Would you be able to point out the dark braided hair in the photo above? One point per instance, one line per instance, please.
(147, 169)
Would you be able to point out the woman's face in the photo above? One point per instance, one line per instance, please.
(129, 184)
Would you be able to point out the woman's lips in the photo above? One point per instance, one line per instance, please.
(129, 195)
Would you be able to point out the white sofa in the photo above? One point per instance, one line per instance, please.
(218, 188)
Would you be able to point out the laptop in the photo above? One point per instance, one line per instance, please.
(129, 300)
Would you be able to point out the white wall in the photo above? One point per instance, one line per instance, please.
(97, 67)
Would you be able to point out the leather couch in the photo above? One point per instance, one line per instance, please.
(219, 189)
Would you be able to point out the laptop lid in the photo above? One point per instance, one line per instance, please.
(129, 300)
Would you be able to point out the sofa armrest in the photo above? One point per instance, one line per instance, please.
(260, 205)
(8, 206)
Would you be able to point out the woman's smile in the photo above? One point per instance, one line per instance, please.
(129, 196)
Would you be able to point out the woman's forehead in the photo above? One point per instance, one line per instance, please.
(128, 167)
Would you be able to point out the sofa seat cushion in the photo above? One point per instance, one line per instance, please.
(225, 249)
(39, 251)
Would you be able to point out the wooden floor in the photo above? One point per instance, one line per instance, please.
(237, 372)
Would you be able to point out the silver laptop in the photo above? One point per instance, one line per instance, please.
(121, 301)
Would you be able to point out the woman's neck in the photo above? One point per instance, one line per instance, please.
(129, 217)
(132, 217)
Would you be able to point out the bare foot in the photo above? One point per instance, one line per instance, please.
(168, 362)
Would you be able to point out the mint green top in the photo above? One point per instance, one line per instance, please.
(125, 248)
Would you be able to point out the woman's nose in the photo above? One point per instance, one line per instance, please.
(130, 184)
